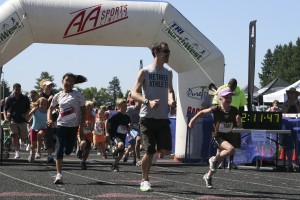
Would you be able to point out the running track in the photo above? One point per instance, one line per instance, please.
(170, 180)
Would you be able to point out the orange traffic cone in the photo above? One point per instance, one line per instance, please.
(281, 153)
(294, 155)
(263, 151)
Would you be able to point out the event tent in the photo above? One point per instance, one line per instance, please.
(281, 94)
(275, 85)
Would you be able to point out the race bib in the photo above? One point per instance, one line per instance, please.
(67, 114)
(225, 127)
(99, 130)
(122, 129)
(86, 130)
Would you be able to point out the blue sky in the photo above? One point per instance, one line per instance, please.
(225, 23)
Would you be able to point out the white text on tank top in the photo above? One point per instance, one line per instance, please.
(156, 86)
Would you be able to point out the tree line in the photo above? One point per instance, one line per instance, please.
(282, 62)
(101, 96)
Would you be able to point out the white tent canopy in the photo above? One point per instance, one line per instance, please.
(281, 94)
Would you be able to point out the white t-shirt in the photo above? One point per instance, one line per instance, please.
(69, 108)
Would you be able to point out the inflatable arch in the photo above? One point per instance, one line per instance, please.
(197, 60)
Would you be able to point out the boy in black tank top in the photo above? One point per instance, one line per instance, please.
(225, 118)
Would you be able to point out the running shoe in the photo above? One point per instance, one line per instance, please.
(58, 179)
(125, 158)
(154, 158)
(208, 181)
(17, 155)
(145, 186)
(115, 168)
(233, 165)
(37, 156)
(50, 159)
(79, 154)
(139, 163)
(213, 164)
(83, 165)
(30, 158)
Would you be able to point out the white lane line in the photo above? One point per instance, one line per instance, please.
(46, 188)
(134, 188)
(297, 176)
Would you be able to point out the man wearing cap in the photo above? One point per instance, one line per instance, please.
(292, 105)
(225, 118)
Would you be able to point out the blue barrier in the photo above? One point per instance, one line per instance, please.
(249, 150)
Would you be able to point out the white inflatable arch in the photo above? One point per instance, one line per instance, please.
(197, 61)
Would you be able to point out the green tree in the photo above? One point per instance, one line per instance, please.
(114, 90)
(5, 92)
(266, 76)
(100, 97)
(296, 62)
(44, 75)
(283, 62)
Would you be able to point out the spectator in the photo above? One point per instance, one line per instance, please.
(19, 106)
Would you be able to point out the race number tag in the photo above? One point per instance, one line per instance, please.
(99, 130)
(225, 127)
(86, 130)
(67, 114)
(122, 129)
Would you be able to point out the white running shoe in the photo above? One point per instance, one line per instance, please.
(58, 179)
(145, 186)
(139, 163)
(213, 164)
(17, 155)
(37, 156)
(28, 147)
(208, 181)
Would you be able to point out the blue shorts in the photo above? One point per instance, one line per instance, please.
(131, 136)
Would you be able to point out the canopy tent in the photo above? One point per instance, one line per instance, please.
(255, 89)
(281, 94)
(119, 23)
(273, 86)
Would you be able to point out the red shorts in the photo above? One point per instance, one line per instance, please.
(34, 133)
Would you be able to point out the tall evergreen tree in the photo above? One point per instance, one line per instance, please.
(5, 92)
(267, 74)
(44, 75)
(114, 90)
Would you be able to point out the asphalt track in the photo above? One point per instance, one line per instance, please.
(170, 180)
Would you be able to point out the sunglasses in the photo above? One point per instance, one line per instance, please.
(164, 50)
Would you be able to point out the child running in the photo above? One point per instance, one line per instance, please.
(225, 117)
(99, 131)
(38, 128)
(71, 114)
(116, 127)
(85, 140)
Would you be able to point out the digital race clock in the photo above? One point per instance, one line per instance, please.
(261, 120)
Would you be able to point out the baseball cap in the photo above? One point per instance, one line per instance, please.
(224, 92)
(48, 83)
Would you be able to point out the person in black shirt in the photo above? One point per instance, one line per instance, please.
(117, 127)
(18, 105)
(225, 118)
